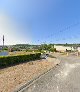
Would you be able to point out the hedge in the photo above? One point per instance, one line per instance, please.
(12, 60)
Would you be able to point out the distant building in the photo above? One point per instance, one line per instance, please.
(63, 48)
(78, 49)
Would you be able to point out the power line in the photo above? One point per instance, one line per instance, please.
(60, 31)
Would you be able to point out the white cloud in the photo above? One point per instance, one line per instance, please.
(11, 30)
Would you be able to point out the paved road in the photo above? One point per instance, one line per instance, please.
(63, 78)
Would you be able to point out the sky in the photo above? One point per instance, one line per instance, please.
(39, 21)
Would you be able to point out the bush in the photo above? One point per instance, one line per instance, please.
(53, 50)
(12, 60)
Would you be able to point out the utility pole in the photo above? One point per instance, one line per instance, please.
(3, 41)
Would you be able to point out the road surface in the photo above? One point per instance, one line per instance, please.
(63, 78)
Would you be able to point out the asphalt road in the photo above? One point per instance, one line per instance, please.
(63, 78)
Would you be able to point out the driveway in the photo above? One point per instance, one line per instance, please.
(63, 78)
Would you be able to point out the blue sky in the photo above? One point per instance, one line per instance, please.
(40, 21)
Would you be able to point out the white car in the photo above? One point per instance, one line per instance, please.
(43, 56)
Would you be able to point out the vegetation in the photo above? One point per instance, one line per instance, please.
(33, 48)
(47, 47)
(52, 49)
(71, 45)
(12, 60)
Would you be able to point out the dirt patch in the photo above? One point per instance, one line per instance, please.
(13, 77)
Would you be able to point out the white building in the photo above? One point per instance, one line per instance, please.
(63, 48)
(78, 49)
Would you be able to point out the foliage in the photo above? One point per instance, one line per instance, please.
(6, 49)
(46, 46)
(52, 49)
(26, 46)
(15, 49)
(11, 60)
(71, 45)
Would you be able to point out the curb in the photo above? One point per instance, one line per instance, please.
(27, 85)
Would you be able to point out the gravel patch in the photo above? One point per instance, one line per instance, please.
(16, 76)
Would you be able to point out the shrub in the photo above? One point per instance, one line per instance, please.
(53, 49)
(11, 60)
